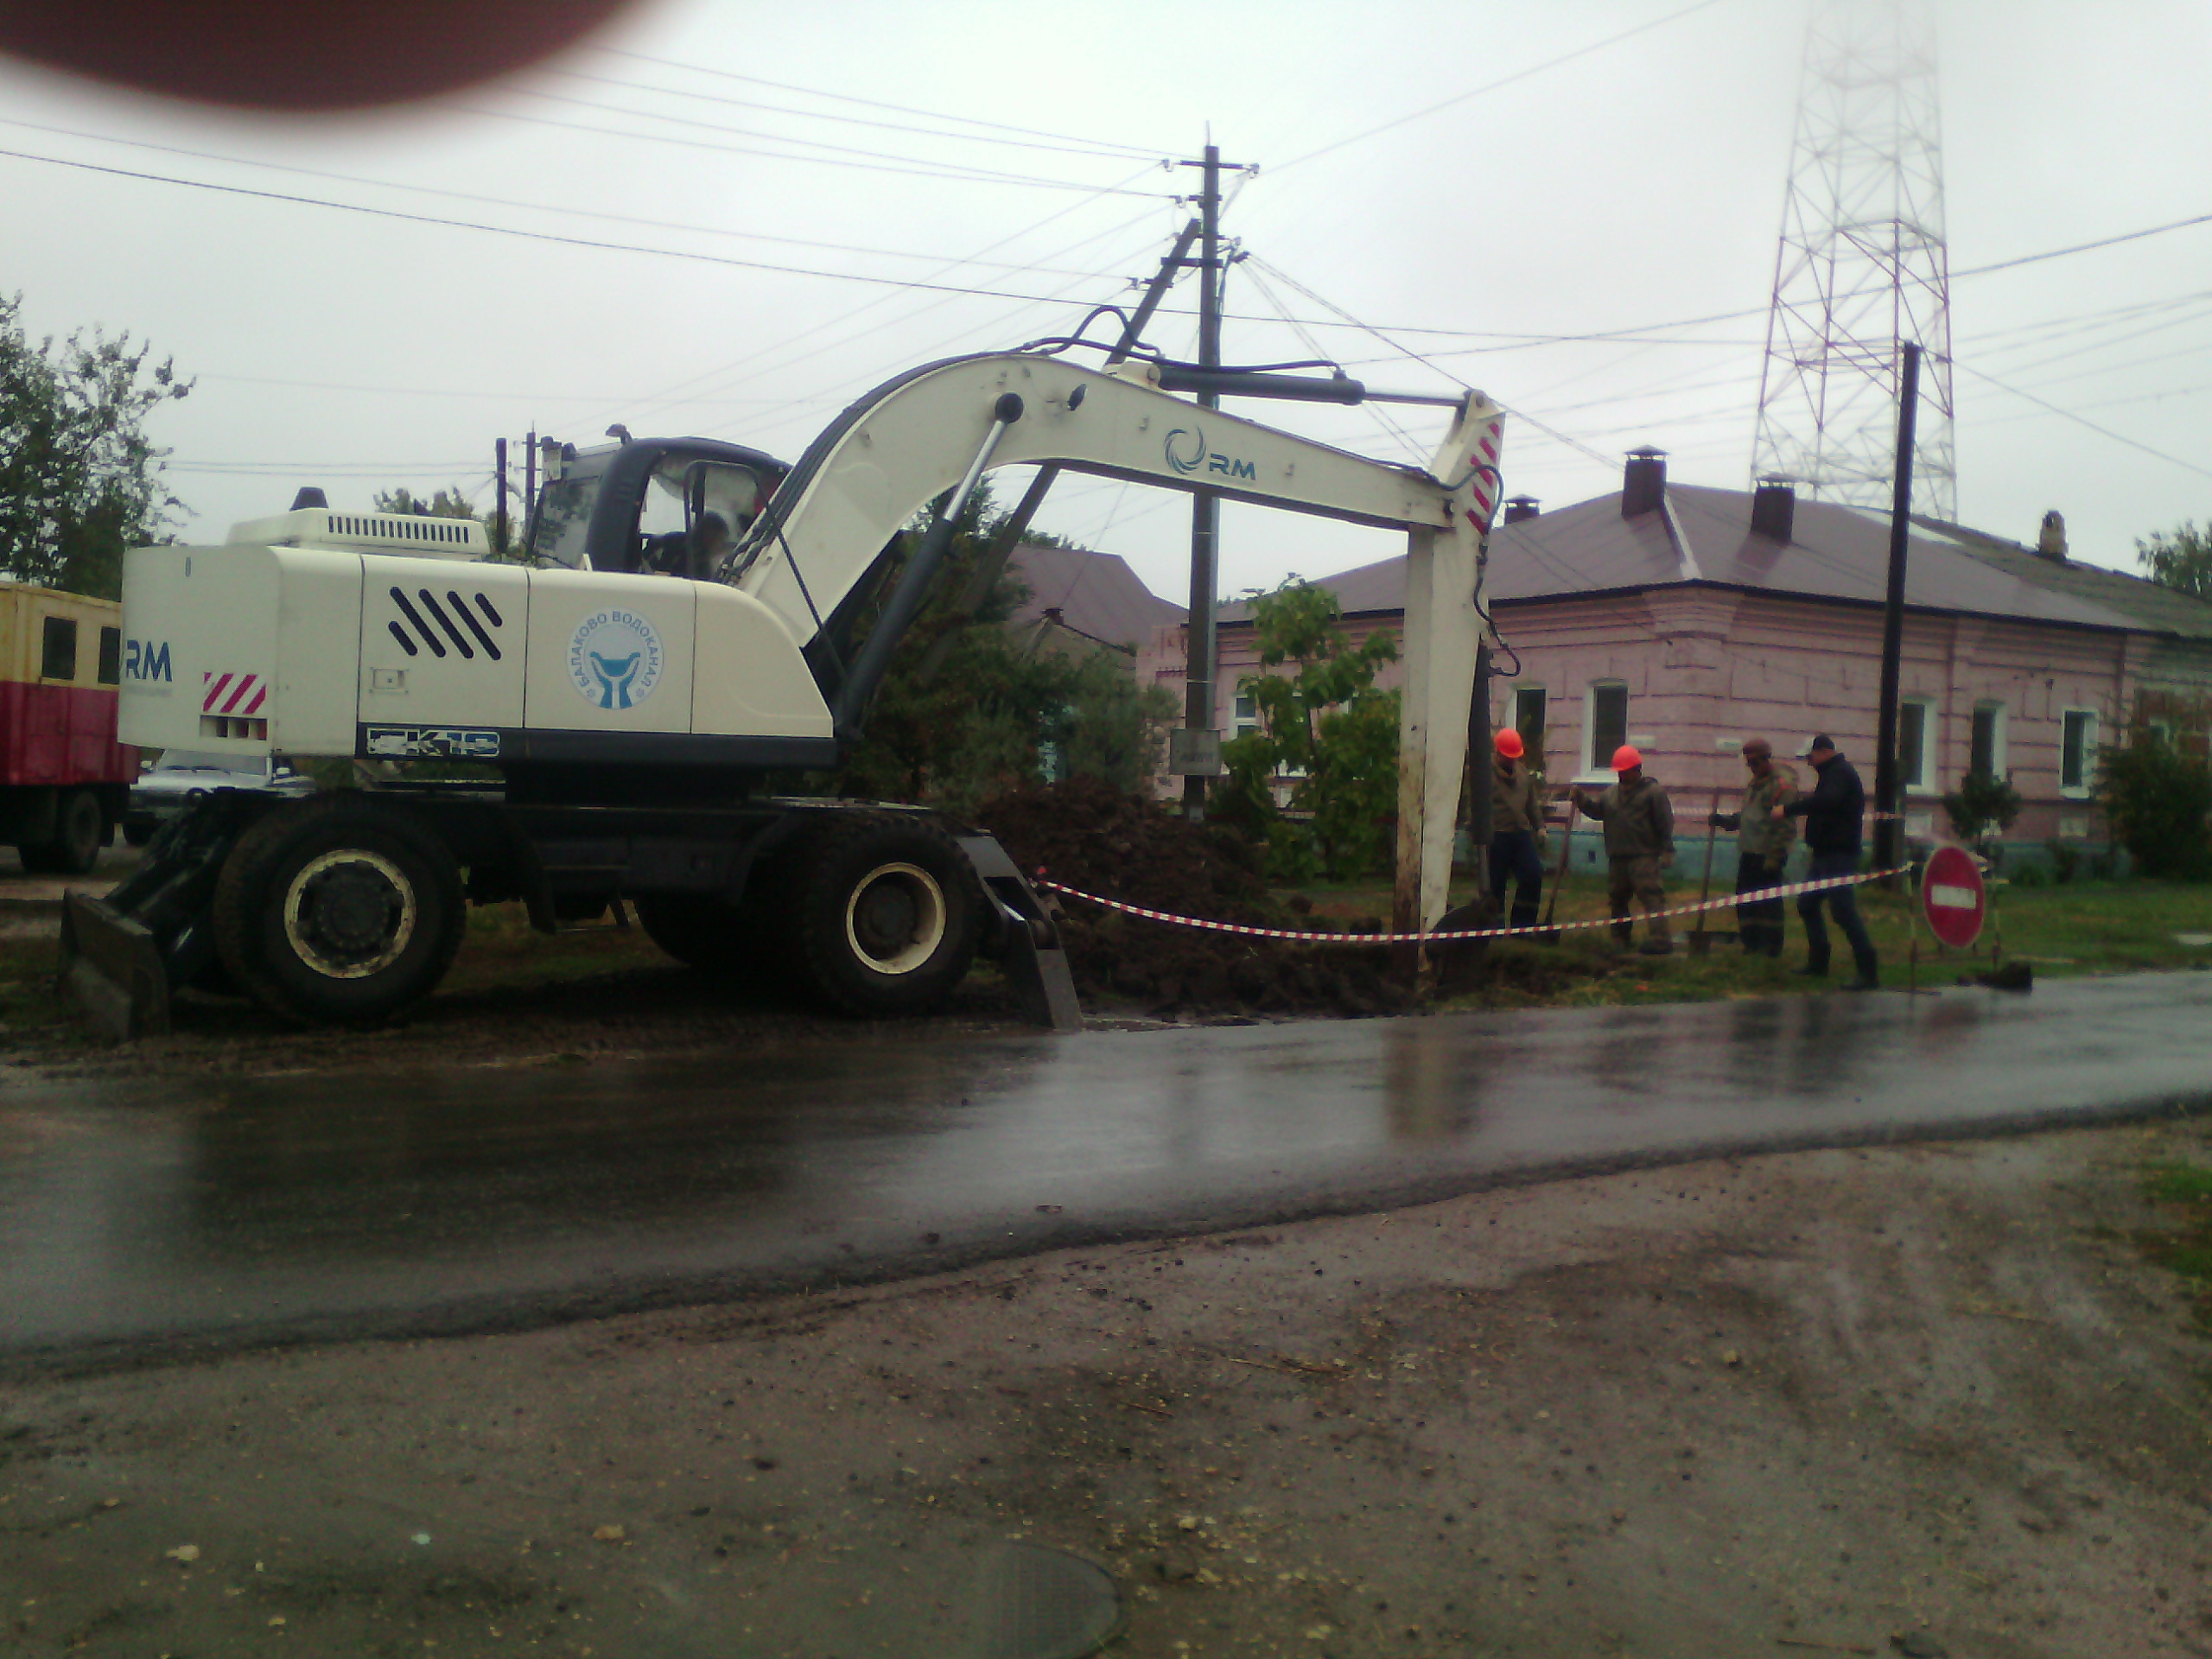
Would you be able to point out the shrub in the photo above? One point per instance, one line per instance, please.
(1982, 809)
(2065, 860)
(2159, 802)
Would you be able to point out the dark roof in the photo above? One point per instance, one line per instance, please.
(1096, 594)
(1834, 553)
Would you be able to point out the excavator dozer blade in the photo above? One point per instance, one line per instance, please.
(112, 970)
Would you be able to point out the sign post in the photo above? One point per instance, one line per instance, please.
(1952, 897)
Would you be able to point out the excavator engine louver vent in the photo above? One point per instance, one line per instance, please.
(437, 622)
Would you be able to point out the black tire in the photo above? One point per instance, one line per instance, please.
(136, 832)
(338, 909)
(79, 832)
(882, 913)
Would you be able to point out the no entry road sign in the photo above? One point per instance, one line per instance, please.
(1952, 897)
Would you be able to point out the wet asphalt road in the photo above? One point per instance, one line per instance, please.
(144, 1221)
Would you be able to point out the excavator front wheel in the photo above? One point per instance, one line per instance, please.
(337, 910)
(884, 912)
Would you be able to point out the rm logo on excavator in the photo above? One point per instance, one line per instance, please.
(146, 663)
(1211, 460)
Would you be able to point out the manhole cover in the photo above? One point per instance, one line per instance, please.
(1043, 1604)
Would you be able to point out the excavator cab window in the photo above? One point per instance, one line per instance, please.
(692, 513)
(562, 524)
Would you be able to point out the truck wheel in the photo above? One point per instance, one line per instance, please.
(79, 832)
(335, 910)
(884, 914)
(136, 833)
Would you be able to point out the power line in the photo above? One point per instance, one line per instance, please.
(528, 236)
(2085, 247)
(1505, 80)
(951, 171)
(2068, 414)
(1065, 147)
(501, 201)
(847, 97)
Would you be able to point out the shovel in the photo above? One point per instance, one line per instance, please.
(1551, 934)
(1701, 941)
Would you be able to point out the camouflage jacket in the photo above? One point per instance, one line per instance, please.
(1638, 818)
(1757, 830)
(1516, 800)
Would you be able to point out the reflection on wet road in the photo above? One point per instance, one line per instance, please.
(138, 1216)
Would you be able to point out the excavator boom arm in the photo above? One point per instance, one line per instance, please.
(913, 438)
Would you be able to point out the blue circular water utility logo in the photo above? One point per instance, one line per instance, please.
(615, 659)
(1197, 457)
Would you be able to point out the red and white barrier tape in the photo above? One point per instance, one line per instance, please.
(1786, 890)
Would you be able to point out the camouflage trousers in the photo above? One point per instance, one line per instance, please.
(1637, 880)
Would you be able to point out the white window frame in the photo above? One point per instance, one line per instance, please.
(1241, 722)
(1597, 768)
(2001, 758)
(1929, 782)
(2163, 732)
(2088, 787)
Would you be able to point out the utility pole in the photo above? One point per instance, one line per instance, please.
(499, 512)
(1010, 531)
(1888, 831)
(1200, 750)
(529, 482)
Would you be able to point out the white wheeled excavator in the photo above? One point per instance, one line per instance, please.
(639, 719)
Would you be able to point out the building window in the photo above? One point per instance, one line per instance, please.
(1608, 724)
(2162, 732)
(111, 657)
(1916, 731)
(1529, 705)
(58, 650)
(2077, 751)
(1247, 712)
(1987, 756)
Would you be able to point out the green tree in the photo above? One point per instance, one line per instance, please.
(1327, 727)
(80, 480)
(1981, 809)
(2160, 803)
(976, 725)
(445, 503)
(2178, 558)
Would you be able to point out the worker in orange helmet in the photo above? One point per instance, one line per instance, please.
(1516, 829)
(1639, 823)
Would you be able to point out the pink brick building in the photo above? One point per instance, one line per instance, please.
(1685, 620)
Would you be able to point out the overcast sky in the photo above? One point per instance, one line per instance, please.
(1638, 183)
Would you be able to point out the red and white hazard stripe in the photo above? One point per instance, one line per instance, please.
(1786, 890)
(233, 694)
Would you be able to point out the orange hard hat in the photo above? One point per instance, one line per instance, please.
(1509, 744)
(1626, 759)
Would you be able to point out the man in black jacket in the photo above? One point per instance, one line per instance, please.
(1833, 813)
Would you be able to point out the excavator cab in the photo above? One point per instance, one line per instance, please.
(675, 506)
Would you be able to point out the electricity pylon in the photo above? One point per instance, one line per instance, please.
(1861, 267)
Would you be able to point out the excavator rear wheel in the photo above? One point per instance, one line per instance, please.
(884, 911)
(335, 910)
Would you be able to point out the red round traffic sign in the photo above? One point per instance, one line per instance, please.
(1952, 897)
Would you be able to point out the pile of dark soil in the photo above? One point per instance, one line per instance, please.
(1089, 835)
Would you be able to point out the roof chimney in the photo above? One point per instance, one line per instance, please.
(1643, 484)
(2051, 540)
(1774, 508)
(1518, 507)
